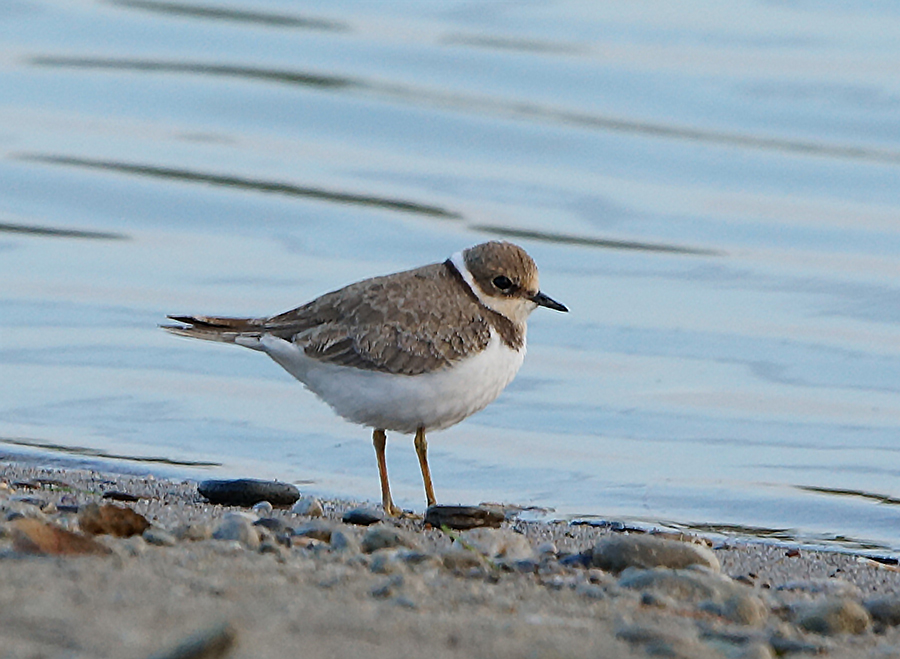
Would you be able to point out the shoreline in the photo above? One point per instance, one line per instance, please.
(525, 589)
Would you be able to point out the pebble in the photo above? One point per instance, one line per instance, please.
(833, 616)
(884, 610)
(668, 641)
(116, 495)
(617, 553)
(235, 526)
(274, 524)
(248, 491)
(498, 543)
(262, 508)
(111, 519)
(344, 541)
(362, 516)
(309, 507)
(463, 517)
(32, 536)
(385, 537)
(159, 537)
(194, 532)
(211, 643)
(713, 592)
(318, 529)
(833, 587)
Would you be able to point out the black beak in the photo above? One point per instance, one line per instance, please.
(547, 301)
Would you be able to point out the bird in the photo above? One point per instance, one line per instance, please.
(410, 352)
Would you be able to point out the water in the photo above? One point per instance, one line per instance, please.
(712, 190)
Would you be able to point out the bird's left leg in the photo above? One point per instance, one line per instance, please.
(422, 452)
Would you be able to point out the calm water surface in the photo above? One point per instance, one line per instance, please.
(713, 190)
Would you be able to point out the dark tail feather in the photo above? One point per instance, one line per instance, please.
(212, 328)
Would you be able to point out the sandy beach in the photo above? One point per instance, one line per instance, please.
(205, 580)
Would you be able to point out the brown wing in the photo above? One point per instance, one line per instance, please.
(409, 323)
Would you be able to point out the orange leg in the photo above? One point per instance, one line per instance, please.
(422, 452)
(379, 438)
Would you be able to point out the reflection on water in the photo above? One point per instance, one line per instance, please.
(95, 454)
(716, 202)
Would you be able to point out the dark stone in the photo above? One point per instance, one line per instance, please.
(115, 495)
(67, 507)
(362, 516)
(248, 491)
(463, 517)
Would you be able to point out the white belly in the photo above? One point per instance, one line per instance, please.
(403, 403)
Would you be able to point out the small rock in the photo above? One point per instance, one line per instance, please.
(463, 517)
(498, 543)
(159, 537)
(31, 536)
(590, 590)
(262, 508)
(211, 643)
(342, 540)
(833, 616)
(116, 495)
(271, 546)
(833, 587)
(308, 507)
(194, 532)
(617, 553)
(388, 587)
(133, 546)
(112, 520)
(663, 641)
(384, 537)
(318, 529)
(362, 516)
(385, 561)
(273, 524)
(885, 610)
(248, 491)
(459, 558)
(235, 526)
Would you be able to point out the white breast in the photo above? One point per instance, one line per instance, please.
(403, 403)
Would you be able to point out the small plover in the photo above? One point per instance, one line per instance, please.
(411, 352)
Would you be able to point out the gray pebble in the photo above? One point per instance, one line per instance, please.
(833, 616)
(263, 508)
(318, 529)
(235, 526)
(362, 516)
(160, 537)
(833, 587)
(343, 540)
(388, 587)
(885, 610)
(211, 643)
(385, 537)
(498, 543)
(619, 552)
(309, 507)
(670, 641)
(274, 525)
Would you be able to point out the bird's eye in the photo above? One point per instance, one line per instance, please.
(503, 282)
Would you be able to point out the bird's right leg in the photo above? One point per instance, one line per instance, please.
(379, 438)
